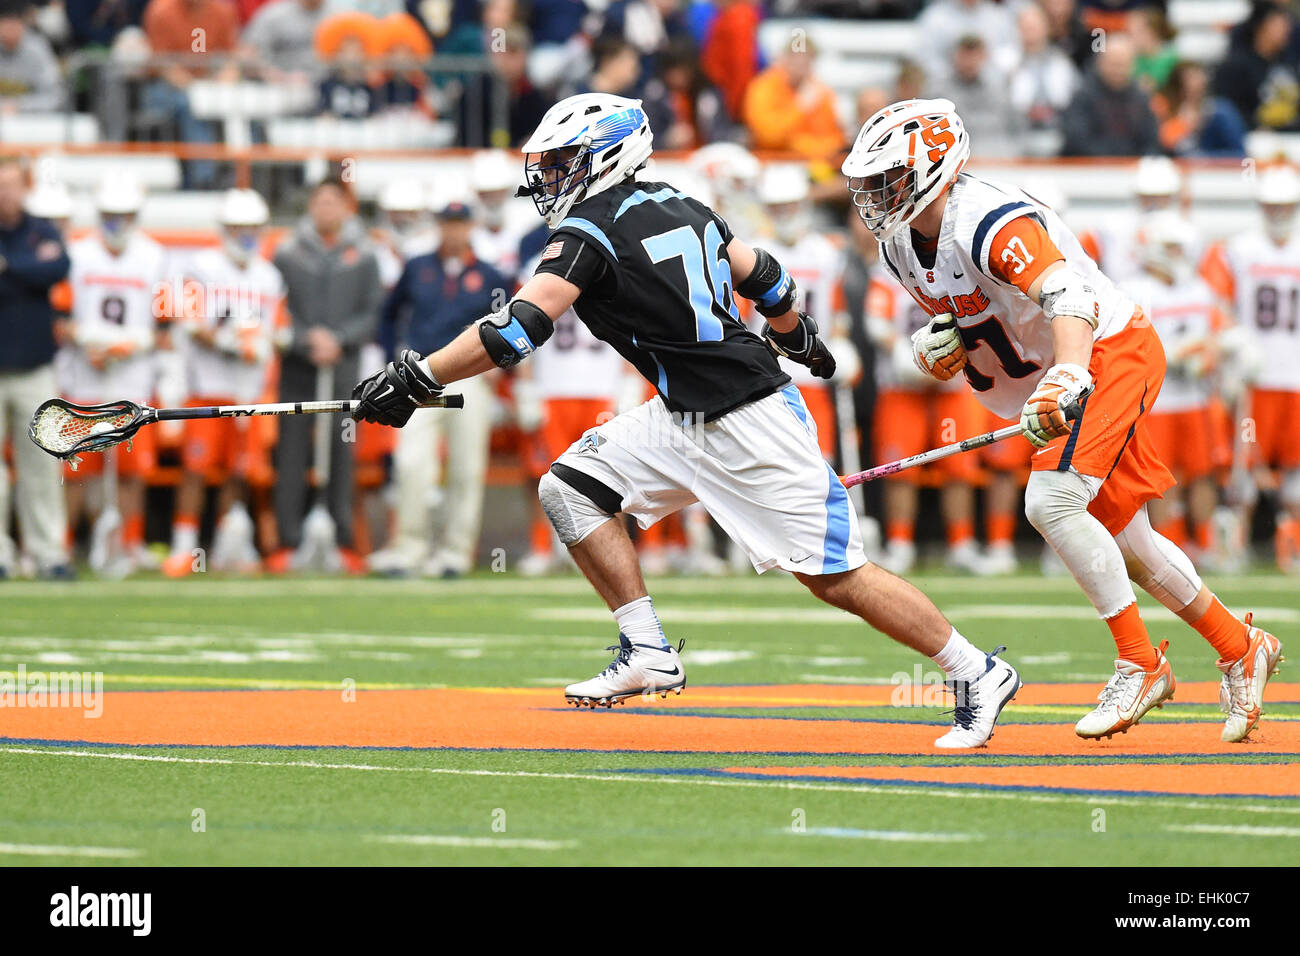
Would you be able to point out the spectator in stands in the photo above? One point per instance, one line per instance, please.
(681, 103)
(649, 25)
(1042, 85)
(281, 37)
(96, 23)
(1154, 39)
(32, 260)
(332, 293)
(1110, 115)
(438, 295)
(403, 84)
(186, 31)
(909, 84)
(616, 68)
(1193, 122)
(1258, 76)
(30, 80)
(730, 51)
(788, 108)
(347, 42)
(979, 91)
(944, 22)
(525, 104)
(1067, 33)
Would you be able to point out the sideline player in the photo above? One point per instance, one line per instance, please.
(654, 273)
(1036, 327)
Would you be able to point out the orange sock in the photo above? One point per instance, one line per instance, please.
(133, 531)
(897, 530)
(1175, 530)
(959, 532)
(1001, 529)
(1226, 634)
(1204, 535)
(541, 537)
(1131, 638)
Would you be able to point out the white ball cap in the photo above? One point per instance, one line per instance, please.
(782, 184)
(403, 195)
(1278, 186)
(492, 171)
(50, 200)
(243, 207)
(119, 196)
(1157, 176)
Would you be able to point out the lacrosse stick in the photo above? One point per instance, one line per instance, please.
(65, 429)
(1072, 413)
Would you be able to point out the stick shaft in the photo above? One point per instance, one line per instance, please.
(925, 457)
(282, 408)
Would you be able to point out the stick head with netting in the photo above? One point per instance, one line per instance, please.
(65, 429)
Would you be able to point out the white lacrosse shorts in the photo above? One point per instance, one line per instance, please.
(757, 470)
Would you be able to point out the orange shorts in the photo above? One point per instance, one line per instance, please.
(138, 462)
(563, 422)
(220, 447)
(1185, 441)
(1112, 440)
(908, 423)
(1276, 415)
(1013, 455)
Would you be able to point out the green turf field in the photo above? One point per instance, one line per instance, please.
(513, 777)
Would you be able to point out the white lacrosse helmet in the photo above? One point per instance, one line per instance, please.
(491, 171)
(118, 202)
(243, 207)
(403, 195)
(905, 156)
(728, 166)
(49, 200)
(1278, 193)
(1167, 239)
(1157, 183)
(584, 145)
(784, 191)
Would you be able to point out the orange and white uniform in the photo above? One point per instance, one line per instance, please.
(913, 411)
(240, 307)
(1186, 316)
(995, 241)
(113, 312)
(1262, 280)
(815, 262)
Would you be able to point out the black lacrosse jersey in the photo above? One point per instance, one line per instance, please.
(656, 285)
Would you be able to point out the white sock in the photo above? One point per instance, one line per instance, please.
(960, 659)
(639, 624)
(185, 538)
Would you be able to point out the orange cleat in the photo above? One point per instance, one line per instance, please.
(1128, 696)
(1241, 691)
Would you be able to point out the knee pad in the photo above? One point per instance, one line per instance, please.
(1157, 565)
(1053, 496)
(573, 512)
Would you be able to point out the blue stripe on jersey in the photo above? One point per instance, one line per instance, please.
(591, 229)
(986, 224)
(641, 196)
(835, 548)
(662, 384)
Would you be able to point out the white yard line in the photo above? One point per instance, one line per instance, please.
(1231, 830)
(502, 843)
(684, 779)
(37, 849)
(888, 836)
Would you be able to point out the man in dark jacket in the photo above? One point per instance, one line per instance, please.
(1110, 115)
(32, 260)
(333, 291)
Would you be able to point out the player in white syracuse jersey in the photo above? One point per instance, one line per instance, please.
(228, 345)
(503, 219)
(815, 262)
(1037, 329)
(1185, 312)
(1262, 273)
(116, 275)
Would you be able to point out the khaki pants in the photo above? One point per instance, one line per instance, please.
(416, 472)
(42, 514)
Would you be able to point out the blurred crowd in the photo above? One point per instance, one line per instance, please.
(296, 312)
(1031, 77)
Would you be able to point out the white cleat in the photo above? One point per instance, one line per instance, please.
(536, 564)
(1127, 697)
(636, 670)
(965, 557)
(1241, 690)
(899, 557)
(233, 548)
(998, 559)
(979, 702)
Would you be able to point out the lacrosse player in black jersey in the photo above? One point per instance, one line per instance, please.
(655, 273)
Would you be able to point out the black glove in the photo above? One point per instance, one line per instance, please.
(802, 345)
(391, 395)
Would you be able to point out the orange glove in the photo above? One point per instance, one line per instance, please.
(1047, 413)
(937, 349)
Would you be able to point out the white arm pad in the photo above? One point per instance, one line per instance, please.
(1065, 292)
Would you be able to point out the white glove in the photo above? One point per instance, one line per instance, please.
(937, 348)
(1044, 416)
(848, 366)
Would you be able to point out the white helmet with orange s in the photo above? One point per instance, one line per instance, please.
(903, 159)
(1278, 193)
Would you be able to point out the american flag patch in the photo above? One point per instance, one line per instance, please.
(553, 250)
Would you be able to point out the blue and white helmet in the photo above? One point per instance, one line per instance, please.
(584, 145)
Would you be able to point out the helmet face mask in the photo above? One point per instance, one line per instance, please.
(240, 242)
(880, 196)
(555, 174)
(1279, 220)
(115, 229)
